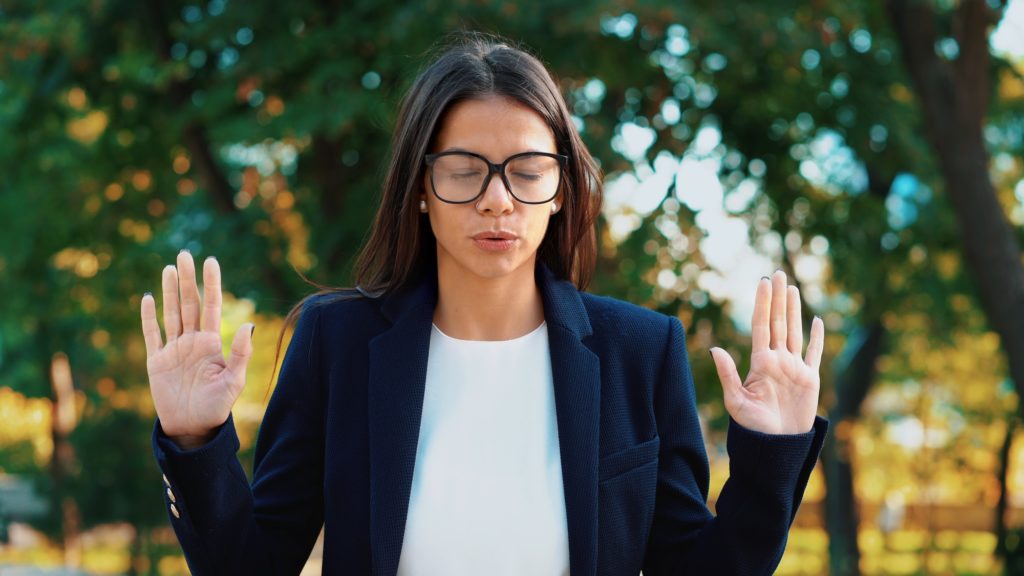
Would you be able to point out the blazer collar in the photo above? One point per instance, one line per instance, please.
(562, 303)
(397, 376)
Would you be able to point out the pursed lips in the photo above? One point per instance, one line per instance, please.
(495, 240)
(494, 235)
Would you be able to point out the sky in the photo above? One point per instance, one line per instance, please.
(1008, 38)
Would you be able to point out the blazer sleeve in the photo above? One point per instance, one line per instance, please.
(767, 477)
(226, 526)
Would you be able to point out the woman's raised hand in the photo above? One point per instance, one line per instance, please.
(780, 394)
(192, 384)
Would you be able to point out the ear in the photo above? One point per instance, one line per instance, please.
(556, 204)
(423, 189)
(424, 185)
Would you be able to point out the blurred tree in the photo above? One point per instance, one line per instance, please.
(259, 133)
(833, 118)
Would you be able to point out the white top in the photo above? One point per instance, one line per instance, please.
(487, 495)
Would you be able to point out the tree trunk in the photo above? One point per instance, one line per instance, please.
(954, 99)
(853, 381)
(65, 418)
(842, 520)
(1004, 495)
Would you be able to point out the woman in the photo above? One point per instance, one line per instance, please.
(467, 409)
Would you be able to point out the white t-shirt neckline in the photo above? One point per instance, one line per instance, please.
(533, 332)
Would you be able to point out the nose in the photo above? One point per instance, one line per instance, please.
(496, 199)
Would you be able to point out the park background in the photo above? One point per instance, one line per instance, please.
(870, 149)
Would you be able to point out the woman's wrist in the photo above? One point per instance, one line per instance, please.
(191, 442)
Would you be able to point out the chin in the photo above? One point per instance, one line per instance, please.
(494, 269)
(491, 266)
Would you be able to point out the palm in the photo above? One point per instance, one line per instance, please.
(192, 384)
(780, 393)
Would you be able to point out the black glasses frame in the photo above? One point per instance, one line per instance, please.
(493, 169)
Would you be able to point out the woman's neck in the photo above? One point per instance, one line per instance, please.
(473, 308)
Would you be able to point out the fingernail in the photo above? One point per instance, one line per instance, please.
(147, 293)
(252, 331)
(184, 251)
(211, 258)
(766, 278)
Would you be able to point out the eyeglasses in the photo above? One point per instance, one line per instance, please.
(460, 177)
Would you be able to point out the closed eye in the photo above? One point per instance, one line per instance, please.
(527, 177)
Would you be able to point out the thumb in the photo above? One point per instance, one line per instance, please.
(732, 386)
(241, 351)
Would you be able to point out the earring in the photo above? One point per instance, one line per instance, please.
(423, 205)
(554, 207)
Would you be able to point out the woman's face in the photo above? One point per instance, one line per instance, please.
(495, 127)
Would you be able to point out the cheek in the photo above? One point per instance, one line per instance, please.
(541, 224)
(443, 223)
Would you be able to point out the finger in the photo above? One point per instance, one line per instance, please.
(794, 329)
(241, 351)
(760, 333)
(211, 295)
(778, 313)
(172, 313)
(150, 328)
(732, 386)
(189, 292)
(816, 344)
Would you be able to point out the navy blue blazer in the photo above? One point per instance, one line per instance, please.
(337, 447)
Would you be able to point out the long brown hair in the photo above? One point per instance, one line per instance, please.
(401, 245)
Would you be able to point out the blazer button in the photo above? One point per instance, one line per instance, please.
(170, 495)
(166, 481)
(174, 510)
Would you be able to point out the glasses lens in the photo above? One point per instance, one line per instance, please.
(458, 177)
(534, 177)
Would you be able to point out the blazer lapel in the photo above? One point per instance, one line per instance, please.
(576, 371)
(397, 374)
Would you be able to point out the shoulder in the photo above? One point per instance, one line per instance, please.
(340, 308)
(611, 317)
(339, 300)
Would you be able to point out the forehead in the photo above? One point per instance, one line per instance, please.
(496, 127)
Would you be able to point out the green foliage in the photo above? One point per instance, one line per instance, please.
(259, 133)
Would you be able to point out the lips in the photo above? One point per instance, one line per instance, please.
(495, 235)
(495, 240)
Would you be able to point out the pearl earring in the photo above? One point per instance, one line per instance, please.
(423, 205)
(554, 207)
